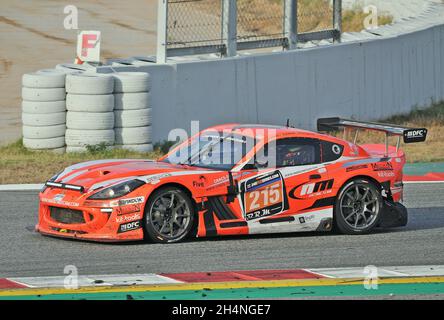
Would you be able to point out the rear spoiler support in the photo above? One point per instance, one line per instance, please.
(410, 135)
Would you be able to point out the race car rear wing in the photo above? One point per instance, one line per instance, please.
(409, 135)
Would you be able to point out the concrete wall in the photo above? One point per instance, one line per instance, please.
(366, 80)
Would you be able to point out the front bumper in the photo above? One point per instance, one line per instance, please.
(78, 218)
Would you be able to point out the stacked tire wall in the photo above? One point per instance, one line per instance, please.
(44, 110)
(132, 111)
(90, 116)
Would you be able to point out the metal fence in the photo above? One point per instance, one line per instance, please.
(188, 27)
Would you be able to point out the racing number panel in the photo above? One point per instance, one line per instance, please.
(264, 196)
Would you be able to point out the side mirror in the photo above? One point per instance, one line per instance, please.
(232, 189)
(260, 164)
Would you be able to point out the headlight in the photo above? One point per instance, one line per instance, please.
(118, 190)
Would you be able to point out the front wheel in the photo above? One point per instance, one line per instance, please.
(358, 207)
(169, 215)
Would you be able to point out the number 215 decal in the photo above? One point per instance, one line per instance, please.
(264, 196)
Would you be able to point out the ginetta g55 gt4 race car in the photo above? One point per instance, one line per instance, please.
(266, 179)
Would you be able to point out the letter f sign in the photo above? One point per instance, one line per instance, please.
(88, 46)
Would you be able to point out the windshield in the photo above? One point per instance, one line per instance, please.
(213, 151)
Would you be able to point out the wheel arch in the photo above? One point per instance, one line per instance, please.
(362, 176)
(166, 185)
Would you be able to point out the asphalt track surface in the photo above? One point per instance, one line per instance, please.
(26, 253)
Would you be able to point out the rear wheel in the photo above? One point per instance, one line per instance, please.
(358, 207)
(169, 215)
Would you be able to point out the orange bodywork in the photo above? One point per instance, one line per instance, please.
(293, 198)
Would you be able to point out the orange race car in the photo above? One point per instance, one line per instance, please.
(234, 180)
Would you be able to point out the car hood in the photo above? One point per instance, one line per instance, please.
(95, 174)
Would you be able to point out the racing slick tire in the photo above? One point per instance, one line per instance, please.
(132, 118)
(169, 215)
(131, 82)
(90, 102)
(89, 83)
(132, 101)
(358, 207)
(90, 120)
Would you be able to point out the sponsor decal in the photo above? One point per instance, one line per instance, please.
(305, 219)
(312, 189)
(59, 197)
(200, 183)
(128, 218)
(382, 166)
(125, 202)
(264, 196)
(130, 226)
(386, 174)
(221, 181)
(128, 209)
(156, 178)
(336, 149)
(415, 135)
(64, 203)
(358, 167)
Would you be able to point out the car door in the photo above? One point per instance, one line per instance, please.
(277, 192)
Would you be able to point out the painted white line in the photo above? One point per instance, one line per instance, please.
(94, 280)
(382, 272)
(318, 274)
(21, 187)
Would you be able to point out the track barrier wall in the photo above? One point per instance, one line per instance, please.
(363, 79)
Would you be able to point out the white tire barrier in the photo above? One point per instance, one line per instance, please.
(43, 106)
(132, 118)
(132, 101)
(130, 136)
(90, 102)
(39, 120)
(44, 132)
(81, 138)
(90, 120)
(144, 148)
(89, 83)
(129, 82)
(48, 78)
(43, 94)
(42, 144)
